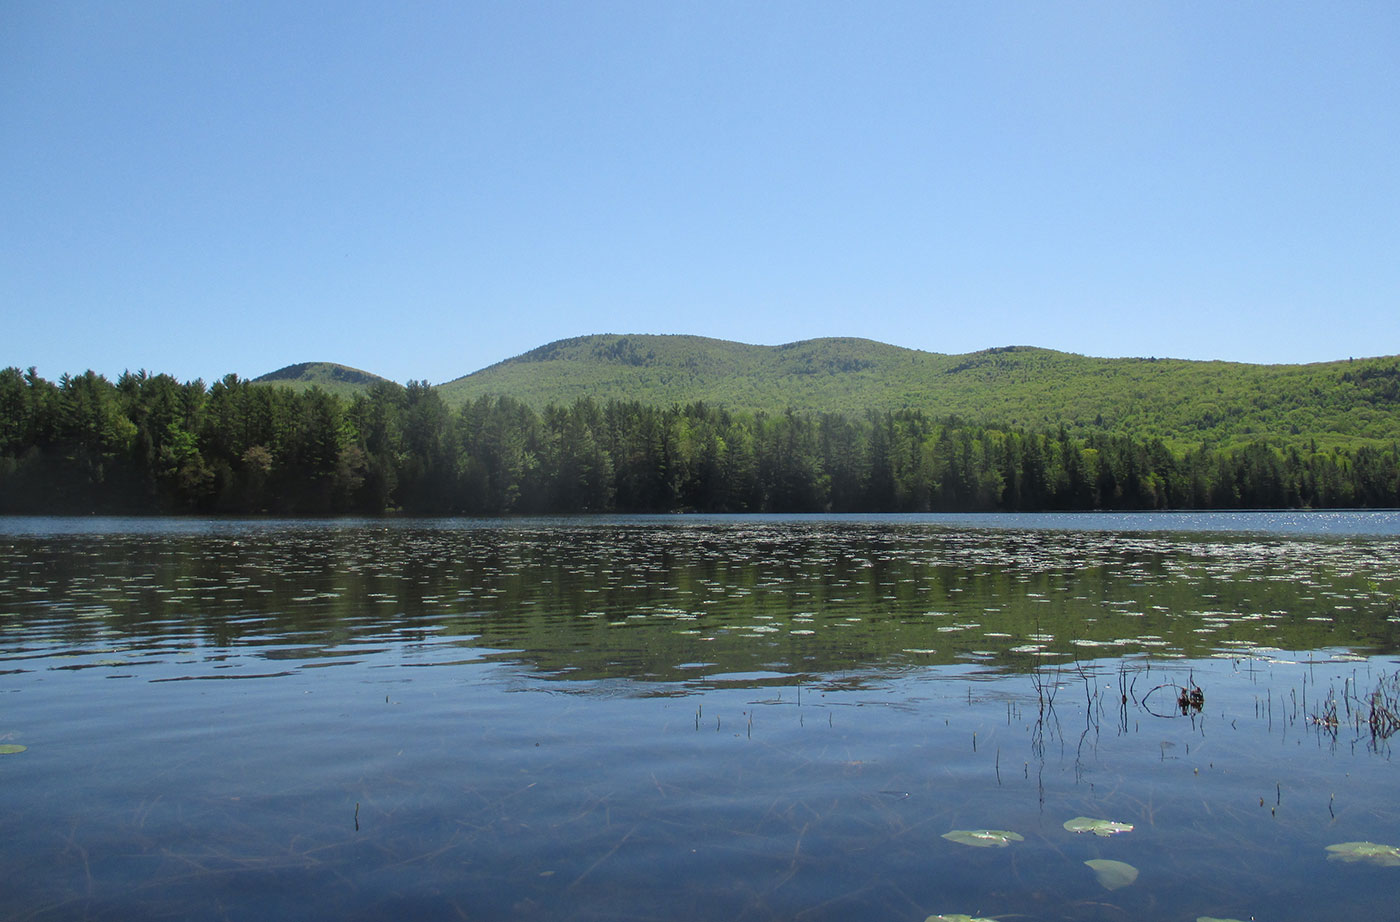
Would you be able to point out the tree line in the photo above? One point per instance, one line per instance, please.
(149, 443)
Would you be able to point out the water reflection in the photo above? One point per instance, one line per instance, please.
(668, 719)
(646, 603)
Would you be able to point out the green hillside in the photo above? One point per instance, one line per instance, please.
(1185, 402)
(328, 376)
(1000, 430)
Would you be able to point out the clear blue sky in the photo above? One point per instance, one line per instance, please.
(423, 189)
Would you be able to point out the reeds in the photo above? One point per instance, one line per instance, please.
(1376, 714)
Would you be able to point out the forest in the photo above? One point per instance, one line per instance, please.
(151, 444)
(1185, 403)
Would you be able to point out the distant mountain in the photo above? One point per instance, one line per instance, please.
(1184, 402)
(827, 374)
(328, 376)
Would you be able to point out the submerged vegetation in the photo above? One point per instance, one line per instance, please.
(840, 719)
(1113, 875)
(149, 443)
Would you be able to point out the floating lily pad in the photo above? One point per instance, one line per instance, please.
(7, 748)
(956, 917)
(1387, 856)
(1097, 827)
(1113, 875)
(983, 838)
(1214, 919)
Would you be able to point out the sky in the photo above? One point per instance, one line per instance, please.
(423, 189)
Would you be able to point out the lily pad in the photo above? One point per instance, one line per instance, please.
(1387, 856)
(1214, 919)
(956, 917)
(1113, 875)
(7, 748)
(983, 838)
(1097, 827)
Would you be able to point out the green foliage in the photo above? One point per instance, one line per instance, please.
(1102, 828)
(150, 443)
(1183, 403)
(341, 380)
(1113, 875)
(1387, 856)
(984, 838)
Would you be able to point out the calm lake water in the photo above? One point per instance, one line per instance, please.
(679, 718)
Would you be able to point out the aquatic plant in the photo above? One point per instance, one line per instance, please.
(1186, 701)
(8, 748)
(1384, 717)
(1113, 875)
(1097, 827)
(1377, 713)
(983, 838)
(1387, 856)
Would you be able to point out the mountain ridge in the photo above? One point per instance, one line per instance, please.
(1183, 401)
(329, 376)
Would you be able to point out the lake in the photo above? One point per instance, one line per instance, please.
(701, 718)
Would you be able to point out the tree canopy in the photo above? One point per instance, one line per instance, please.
(149, 443)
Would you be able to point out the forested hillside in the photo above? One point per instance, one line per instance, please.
(148, 443)
(1184, 403)
(328, 376)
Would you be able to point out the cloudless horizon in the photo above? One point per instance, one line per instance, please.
(424, 190)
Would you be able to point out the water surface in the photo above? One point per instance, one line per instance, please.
(681, 718)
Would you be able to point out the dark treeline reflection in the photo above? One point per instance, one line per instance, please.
(151, 444)
(675, 603)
